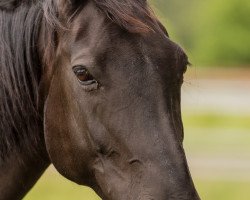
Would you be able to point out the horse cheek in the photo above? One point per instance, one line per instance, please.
(64, 142)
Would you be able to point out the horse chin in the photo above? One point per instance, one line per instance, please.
(139, 184)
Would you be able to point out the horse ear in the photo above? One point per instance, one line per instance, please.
(9, 4)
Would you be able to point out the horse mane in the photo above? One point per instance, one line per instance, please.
(20, 72)
(21, 64)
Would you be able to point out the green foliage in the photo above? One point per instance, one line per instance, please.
(213, 32)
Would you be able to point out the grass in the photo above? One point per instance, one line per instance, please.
(206, 134)
(214, 133)
(223, 190)
(53, 186)
(216, 120)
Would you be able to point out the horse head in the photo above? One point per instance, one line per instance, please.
(112, 101)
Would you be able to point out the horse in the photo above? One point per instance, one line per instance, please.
(92, 87)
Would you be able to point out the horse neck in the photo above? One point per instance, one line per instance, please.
(18, 173)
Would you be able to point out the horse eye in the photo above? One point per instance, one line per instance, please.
(83, 75)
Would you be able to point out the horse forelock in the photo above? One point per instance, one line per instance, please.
(135, 16)
(132, 15)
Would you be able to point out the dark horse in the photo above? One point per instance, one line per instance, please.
(93, 87)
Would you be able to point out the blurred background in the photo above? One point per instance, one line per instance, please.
(215, 98)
